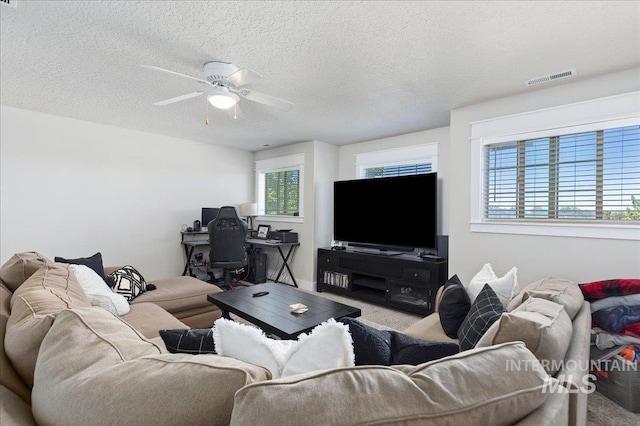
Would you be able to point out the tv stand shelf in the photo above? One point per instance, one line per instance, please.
(404, 282)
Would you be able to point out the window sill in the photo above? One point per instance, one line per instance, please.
(613, 231)
(290, 219)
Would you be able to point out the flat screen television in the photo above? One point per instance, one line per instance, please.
(387, 213)
(208, 214)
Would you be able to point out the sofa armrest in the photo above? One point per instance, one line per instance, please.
(574, 371)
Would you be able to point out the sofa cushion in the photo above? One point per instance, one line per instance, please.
(98, 292)
(558, 290)
(429, 328)
(9, 378)
(543, 326)
(184, 341)
(149, 319)
(486, 310)
(467, 388)
(13, 410)
(454, 306)
(94, 262)
(179, 294)
(34, 306)
(98, 368)
(21, 266)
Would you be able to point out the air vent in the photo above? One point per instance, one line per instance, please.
(551, 77)
(10, 3)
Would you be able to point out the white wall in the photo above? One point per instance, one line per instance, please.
(326, 172)
(347, 165)
(578, 259)
(302, 263)
(71, 188)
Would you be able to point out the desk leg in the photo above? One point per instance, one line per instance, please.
(187, 266)
(285, 264)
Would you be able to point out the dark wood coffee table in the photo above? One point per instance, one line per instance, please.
(272, 312)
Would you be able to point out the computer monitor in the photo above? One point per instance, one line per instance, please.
(208, 214)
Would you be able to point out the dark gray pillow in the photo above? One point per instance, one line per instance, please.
(185, 341)
(486, 309)
(94, 262)
(382, 347)
(409, 350)
(370, 345)
(454, 306)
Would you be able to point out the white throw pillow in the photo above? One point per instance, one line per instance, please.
(98, 292)
(329, 345)
(505, 287)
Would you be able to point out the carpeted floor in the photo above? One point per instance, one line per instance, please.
(601, 411)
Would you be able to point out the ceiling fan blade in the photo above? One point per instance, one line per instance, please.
(151, 67)
(267, 100)
(243, 76)
(178, 98)
(235, 113)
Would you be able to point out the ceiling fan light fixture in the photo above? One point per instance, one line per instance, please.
(222, 98)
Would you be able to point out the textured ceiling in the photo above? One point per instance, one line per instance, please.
(355, 70)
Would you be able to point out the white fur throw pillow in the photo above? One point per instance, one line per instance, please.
(505, 287)
(98, 292)
(327, 346)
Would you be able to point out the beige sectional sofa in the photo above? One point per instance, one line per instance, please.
(66, 362)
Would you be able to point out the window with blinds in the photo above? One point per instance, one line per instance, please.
(583, 176)
(282, 193)
(397, 170)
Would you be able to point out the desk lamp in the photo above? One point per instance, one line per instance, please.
(249, 210)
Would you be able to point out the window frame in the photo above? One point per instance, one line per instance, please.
(274, 165)
(599, 114)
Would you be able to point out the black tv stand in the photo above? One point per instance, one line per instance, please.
(403, 281)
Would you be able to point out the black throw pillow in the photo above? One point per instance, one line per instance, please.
(454, 306)
(94, 262)
(370, 345)
(486, 310)
(185, 341)
(409, 350)
(385, 347)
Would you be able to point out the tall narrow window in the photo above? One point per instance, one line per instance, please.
(279, 186)
(585, 176)
(282, 193)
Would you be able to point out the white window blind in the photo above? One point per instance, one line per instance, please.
(404, 161)
(585, 176)
(398, 170)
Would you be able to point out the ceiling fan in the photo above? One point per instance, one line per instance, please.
(225, 81)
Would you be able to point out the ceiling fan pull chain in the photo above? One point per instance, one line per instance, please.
(206, 120)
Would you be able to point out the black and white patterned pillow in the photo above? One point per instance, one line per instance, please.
(128, 282)
(185, 341)
(485, 310)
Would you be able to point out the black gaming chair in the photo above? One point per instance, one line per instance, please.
(227, 234)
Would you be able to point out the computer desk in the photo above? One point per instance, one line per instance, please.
(285, 258)
(190, 246)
